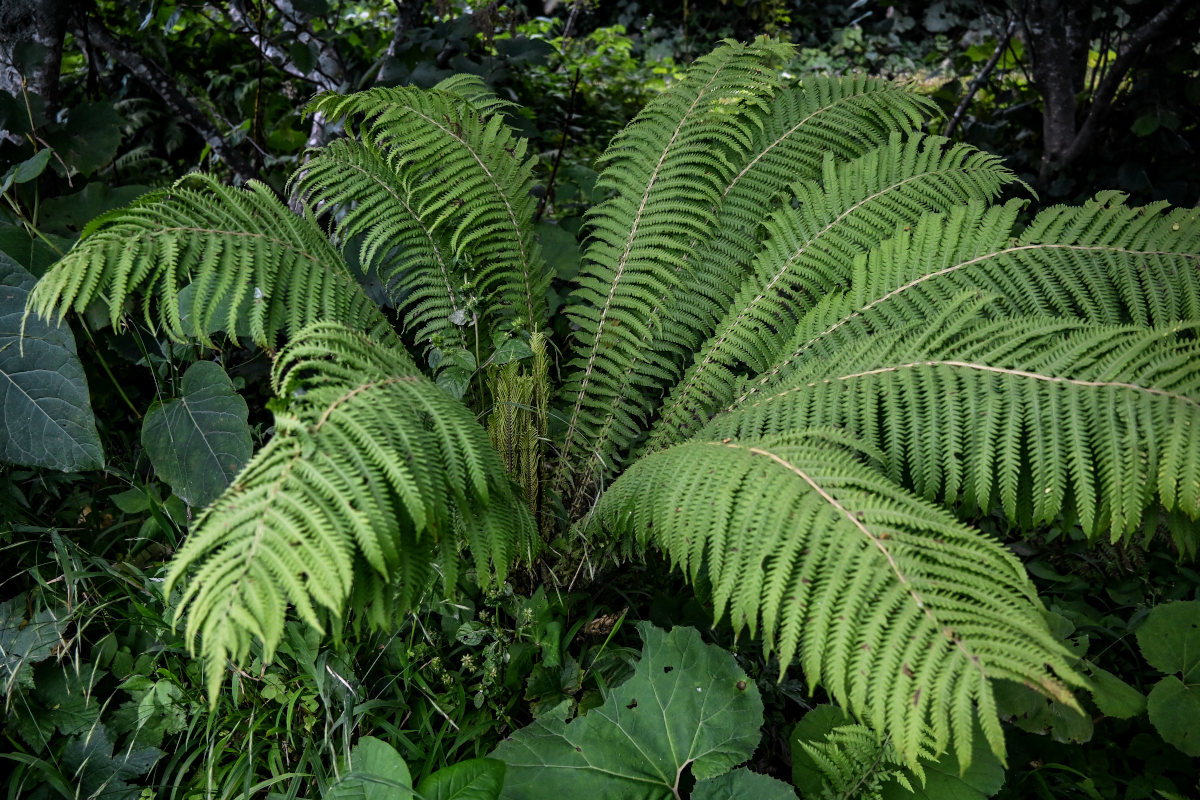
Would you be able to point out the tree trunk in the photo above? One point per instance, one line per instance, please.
(1059, 34)
(32, 28)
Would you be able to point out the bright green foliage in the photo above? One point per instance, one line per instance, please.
(811, 242)
(439, 175)
(902, 613)
(809, 317)
(370, 464)
(667, 172)
(688, 706)
(1007, 412)
(834, 758)
(848, 117)
(242, 251)
(1104, 262)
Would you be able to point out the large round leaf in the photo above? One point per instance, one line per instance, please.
(1170, 639)
(200, 440)
(46, 416)
(375, 772)
(687, 705)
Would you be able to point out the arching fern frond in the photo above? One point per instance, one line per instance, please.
(380, 212)
(1103, 262)
(468, 177)
(810, 249)
(371, 468)
(238, 252)
(1038, 415)
(902, 613)
(667, 170)
(845, 117)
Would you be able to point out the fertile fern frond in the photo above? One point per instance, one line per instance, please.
(902, 613)
(1104, 262)
(810, 249)
(241, 254)
(370, 468)
(667, 171)
(845, 117)
(467, 176)
(379, 211)
(1039, 415)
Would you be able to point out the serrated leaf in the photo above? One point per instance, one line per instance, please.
(47, 418)
(375, 772)
(1170, 639)
(24, 643)
(476, 779)
(742, 784)
(1175, 713)
(97, 773)
(199, 441)
(687, 704)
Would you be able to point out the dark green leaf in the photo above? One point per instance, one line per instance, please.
(1170, 639)
(25, 642)
(476, 779)
(375, 772)
(199, 441)
(1113, 696)
(47, 418)
(687, 703)
(1175, 713)
(742, 784)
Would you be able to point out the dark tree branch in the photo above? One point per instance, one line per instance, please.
(981, 78)
(162, 84)
(1106, 91)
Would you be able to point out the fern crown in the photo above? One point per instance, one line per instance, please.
(808, 348)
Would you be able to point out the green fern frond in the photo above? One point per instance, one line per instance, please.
(667, 171)
(1038, 415)
(846, 117)
(1103, 262)
(854, 764)
(239, 252)
(370, 465)
(902, 613)
(810, 250)
(379, 211)
(468, 177)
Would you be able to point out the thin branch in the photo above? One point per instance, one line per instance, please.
(981, 78)
(1106, 91)
(166, 87)
(562, 146)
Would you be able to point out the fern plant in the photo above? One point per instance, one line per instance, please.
(808, 347)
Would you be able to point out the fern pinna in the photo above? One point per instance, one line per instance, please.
(808, 348)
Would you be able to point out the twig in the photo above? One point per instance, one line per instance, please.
(566, 133)
(981, 78)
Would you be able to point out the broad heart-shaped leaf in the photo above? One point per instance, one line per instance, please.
(687, 703)
(200, 440)
(1170, 639)
(1175, 713)
(742, 784)
(476, 779)
(46, 416)
(375, 772)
